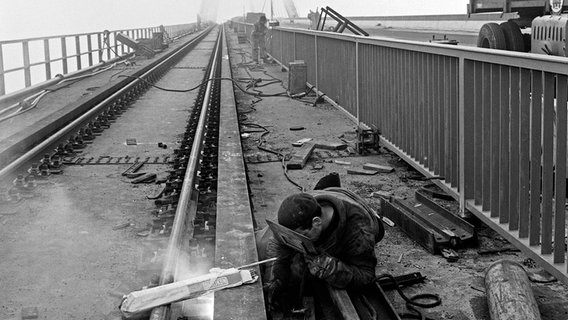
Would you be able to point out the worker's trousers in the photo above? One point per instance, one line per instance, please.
(258, 42)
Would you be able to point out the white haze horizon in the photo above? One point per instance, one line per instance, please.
(20, 19)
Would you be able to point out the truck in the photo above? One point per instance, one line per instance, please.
(540, 26)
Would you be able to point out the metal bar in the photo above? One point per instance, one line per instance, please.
(547, 161)
(504, 146)
(100, 47)
(535, 145)
(486, 198)
(90, 50)
(478, 132)
(64, 55)
(524, 154)
(466, 132)
(357, 89)
(2, 79)
(27, 71)
(78, 52)
(437, 116)
(495, 101)
(560, 186)
(514, 138)
(455, 121)
(47, 59)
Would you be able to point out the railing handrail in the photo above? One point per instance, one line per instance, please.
(491, 122)
(84, 34)
(83, 48)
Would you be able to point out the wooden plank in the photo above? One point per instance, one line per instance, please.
(299, 159)
(378, 168)
(362, 172)
(561, 132)
(234, 243)
(330, 145)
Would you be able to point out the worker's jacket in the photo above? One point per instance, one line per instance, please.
(259, 30)
(352, 242)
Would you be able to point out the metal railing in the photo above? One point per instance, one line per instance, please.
(491, 123)
(25, 62)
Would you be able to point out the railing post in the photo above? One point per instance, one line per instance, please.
(316, 59)
(47, 57)
(357, 79)
(100, 46)
(27, 73)
(90, 49)
(64, 54)
(465, 95)
(294, 46)
(115, 45)
(2, 81)
(78, 52)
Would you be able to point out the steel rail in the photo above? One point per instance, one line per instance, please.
(187, 190)
(28, 156)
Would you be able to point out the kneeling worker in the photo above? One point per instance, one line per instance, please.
(343, 229)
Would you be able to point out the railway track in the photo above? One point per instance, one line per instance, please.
(141, 188)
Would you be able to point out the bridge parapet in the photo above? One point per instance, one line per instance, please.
(492, 123)
(25, 62)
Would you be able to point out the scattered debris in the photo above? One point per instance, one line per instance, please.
(435, 192)
(331, 145)
(388, 221)
(400, 258)
(450, 255)
(362, 172)
(133, 168)
(433, 229)
(297, 128)
(378, 168)
(381, 194)
(301, 142)
(317, 166)
(301, 156)
(131, 142)
(146, 178)
(121, 226)
(162, 145)
(541, 276)
(345, 163)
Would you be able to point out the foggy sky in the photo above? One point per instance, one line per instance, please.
(32, 18)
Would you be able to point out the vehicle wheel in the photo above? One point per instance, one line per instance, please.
(491, 36)
(513, 36)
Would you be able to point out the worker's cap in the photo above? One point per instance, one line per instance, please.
(298, 210)
(263, 18)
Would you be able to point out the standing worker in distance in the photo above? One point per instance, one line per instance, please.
(258, 39)
(343, 228)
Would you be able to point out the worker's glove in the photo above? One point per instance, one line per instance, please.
(321, 266)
